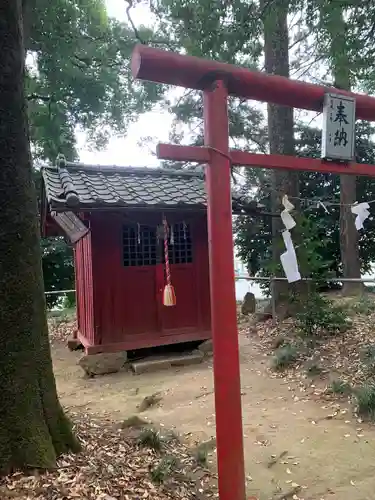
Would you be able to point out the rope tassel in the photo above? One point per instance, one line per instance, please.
(169, 296)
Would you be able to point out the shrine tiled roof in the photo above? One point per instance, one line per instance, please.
(91, 186)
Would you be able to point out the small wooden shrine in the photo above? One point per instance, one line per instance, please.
(132, 230)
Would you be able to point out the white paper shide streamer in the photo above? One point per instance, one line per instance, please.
(361, 210)
(289, 257)
(287, 219)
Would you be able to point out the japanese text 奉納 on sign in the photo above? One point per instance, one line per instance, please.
(338, 135)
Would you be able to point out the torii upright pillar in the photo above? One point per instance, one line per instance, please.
(219, 80)
(229, 439)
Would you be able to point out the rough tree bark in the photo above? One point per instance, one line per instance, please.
(34, 429)
(280, 123)
(340, 64)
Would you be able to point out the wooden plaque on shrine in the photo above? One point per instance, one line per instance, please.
(72, 225)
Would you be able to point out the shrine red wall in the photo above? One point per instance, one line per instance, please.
(123, 305)
(84, 289)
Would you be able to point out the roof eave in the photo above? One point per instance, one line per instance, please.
(61, 206)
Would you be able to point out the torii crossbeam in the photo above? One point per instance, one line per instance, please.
(219, 80)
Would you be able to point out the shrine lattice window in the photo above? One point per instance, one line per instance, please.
(139, 245)
(180, 244)
(144, 245)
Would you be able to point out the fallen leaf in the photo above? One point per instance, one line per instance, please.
(111, 466)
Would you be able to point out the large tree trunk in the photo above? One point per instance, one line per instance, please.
(33, 429)
(280, 123)
(351, 264)
(349, 239)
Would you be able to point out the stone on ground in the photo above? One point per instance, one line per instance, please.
(103, 363)
(248, 304)
(150, 401)
(206, 347)
(135, 422)
(164, 362)
(74, 344)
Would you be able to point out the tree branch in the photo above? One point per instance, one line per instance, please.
(86, 62)
(136, 32)
(267, 6)
(167, 43)
(38, 97)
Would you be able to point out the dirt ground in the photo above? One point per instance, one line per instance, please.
(328, 458)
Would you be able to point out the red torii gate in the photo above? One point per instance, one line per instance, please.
(218, 80)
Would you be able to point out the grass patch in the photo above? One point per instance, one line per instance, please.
(201, 456)
(164, 469)
(368, 357)
(285, 356)
(339, 387)
(318, 316)
(365, 398)
(365, 305)
(149, 438)
(202, 450)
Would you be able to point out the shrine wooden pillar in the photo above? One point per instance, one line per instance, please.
(229, 438)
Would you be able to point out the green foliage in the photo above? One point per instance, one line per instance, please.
(365, 305)
(312, 242)
(78, 76)
(164, 469)
(365, 398)
(368, 358)
(313, 262)
(231, 32)
(201, 456)
(351, 44)
(339, 387)
(69, 301)
(222, 30)
(318, 231)
(202, 450)
(284, 357)
(317, 316)
(58, 270)
(149, 438)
